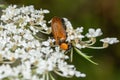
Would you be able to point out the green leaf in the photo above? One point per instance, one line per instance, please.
(85, 56)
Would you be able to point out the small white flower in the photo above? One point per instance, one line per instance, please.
(94, 33)
(35, 78)
(68, 23)
(34, 30)
(46, 43)
(80, 46)
(42, 67)
(110, 40)
(46, 50)
(79, 29)
(43, 24)
(45, 11)
(73, 34)
(9, 13)
(26, 70)
(28, 36)
(71, 37)
(78, 74)
(17, 38)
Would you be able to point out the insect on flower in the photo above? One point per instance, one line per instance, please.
(59, 33)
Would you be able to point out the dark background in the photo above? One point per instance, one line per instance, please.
(104, 14)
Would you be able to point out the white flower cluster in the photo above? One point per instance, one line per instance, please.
(22, 55)
(25, 16)
(75, 37)
(93, 33)
(110, 40)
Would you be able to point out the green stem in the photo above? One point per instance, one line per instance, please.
(71, 55)
(96, 47)
(47, 76)
(52, 77)
(85, 56)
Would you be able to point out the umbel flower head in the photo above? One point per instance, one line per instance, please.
(26, 56)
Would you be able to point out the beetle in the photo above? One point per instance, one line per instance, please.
(59, 32)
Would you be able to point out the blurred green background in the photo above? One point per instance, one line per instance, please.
(104, 14)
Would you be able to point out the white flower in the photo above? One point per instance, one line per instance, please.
(34, 30)
(42, 67)
(46, 50)
(25, 15)
(110, 40)
(79, 46)
(79, 29)
(26, 70)
(65, 68)
(94, 33)
(68, 70)
(45, 11)
(9, 13)
(68, 23)
(28, 36)
(43, 24)
(73, 34)
(78, 74)
(5, 70)
(46, 43)
(35, 78)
